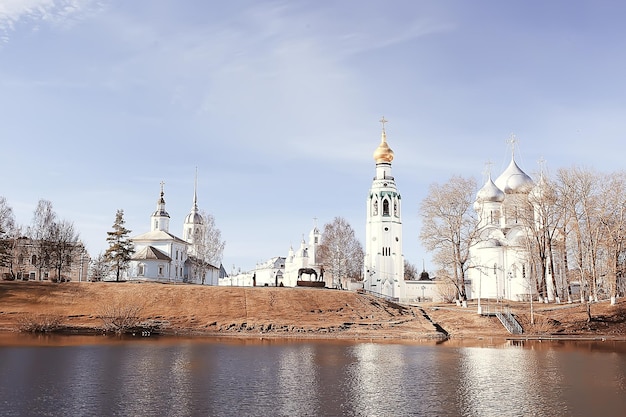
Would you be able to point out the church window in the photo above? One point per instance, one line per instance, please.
(395, 208)
(20, 259)
(160, 270)
(68, 260)
(385, 207)
(156, 224)
(140, 270)
(315, 240)
(375, 207)
(33, 260)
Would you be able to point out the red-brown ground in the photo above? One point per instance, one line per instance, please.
(283, 312)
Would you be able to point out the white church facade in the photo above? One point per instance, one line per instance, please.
(500, 264)
(164, 257)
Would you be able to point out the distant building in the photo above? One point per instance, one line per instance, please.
(162, 256)
(25, 262)
(283, 272)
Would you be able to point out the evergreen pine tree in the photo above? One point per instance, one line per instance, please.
(121, 248)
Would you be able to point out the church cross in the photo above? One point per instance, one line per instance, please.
(383, 121)
(487, 170)
(512, 141)
(542, 164)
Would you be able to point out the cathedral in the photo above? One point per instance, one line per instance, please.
(162, 256)
(500, 264)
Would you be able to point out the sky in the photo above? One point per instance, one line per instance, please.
(277, 104)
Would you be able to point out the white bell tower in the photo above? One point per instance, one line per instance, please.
(384, 262)
(160, 219)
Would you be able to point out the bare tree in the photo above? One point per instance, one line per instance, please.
(612, 217)
(450, 227)
(581, 188)
(208, 248)
(340, 252)
(211, 243)
(39, 233)
(543, 222)
(121, 248)
(8, 234)
(99, 268)
(410, 271)
(64, 244)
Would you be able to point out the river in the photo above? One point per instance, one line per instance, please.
(102, 376)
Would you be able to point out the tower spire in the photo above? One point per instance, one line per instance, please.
(195, 191)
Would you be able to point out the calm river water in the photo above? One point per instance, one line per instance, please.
(98, 376)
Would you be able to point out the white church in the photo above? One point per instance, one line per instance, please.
(500, 261)
(164, 257)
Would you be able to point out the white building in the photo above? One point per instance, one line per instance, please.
(500, 264)
(300, 263)
(280, 271)
(162, 256)
(384, 261)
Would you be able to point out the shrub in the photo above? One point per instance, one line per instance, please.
(42, 323)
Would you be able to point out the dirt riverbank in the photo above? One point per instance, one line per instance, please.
(281, 312)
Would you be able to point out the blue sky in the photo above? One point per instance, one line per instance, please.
(277, 103)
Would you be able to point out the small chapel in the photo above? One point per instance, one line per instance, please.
(164, 257)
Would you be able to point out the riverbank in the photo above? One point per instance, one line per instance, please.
(148, 308)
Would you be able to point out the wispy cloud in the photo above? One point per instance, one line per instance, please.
(37, 12)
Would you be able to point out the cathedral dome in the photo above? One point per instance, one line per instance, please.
(383, 153)
(514, 181)
(194, 218)
(490, 193)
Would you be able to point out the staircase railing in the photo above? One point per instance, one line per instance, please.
(509, 322)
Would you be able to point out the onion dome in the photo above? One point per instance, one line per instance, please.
(194, 218)
(383, 154)
(160, 210)
(514, 181)
(489, 193)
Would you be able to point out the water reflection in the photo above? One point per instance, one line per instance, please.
(308, 378)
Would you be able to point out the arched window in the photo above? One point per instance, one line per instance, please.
(375, 207)
(395, 208)
(140, 270)
(385, 207)
(33, 260)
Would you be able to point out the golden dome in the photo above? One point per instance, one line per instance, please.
(383, 153)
